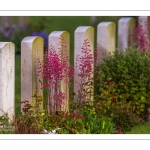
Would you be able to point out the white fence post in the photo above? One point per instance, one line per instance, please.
(7, 78)
(125, 31)
(31, 49)
(82, 33)
(60, 41)
(106, 40)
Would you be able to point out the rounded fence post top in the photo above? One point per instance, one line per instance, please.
(31, 39)
(105, 24)
(126, 19)
(58, 33)
(2, 44)
(83, 28)
(143, 17)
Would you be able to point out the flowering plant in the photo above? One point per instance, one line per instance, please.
(140, 36)
(54, 70)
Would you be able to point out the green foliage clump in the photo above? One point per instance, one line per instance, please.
(30, 121)
(126, 76)
(96, 124)
(6, 126)
(121, 113)
(143, 128)
(83, 120)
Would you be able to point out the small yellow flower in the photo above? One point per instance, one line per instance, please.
(42, 114)
(32, 105)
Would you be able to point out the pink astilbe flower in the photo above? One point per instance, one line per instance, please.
(84, 65)
(59, 100)
(140, 36)
(54, 70)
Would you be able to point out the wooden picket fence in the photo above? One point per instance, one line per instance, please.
(32, 47)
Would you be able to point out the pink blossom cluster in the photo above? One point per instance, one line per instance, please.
(55, 68)
(59, 100)
(84, 64)
(141, 36)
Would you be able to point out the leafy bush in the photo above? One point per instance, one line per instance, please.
(121, 113)
(124, 117)
(125, 76)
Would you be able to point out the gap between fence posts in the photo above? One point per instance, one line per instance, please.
(7, 79)
(60, 41)
(125, 33)
(106, 40)
(81, 34)
(32, 48)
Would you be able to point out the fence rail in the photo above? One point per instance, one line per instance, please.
(32, 48)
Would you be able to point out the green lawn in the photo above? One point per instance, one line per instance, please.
(140, 129)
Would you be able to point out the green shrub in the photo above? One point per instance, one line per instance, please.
(124, 117)
(126, 76)
(122, 114)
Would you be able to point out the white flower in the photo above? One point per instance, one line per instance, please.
(54, 131)
(45, 131)
(51, 132)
